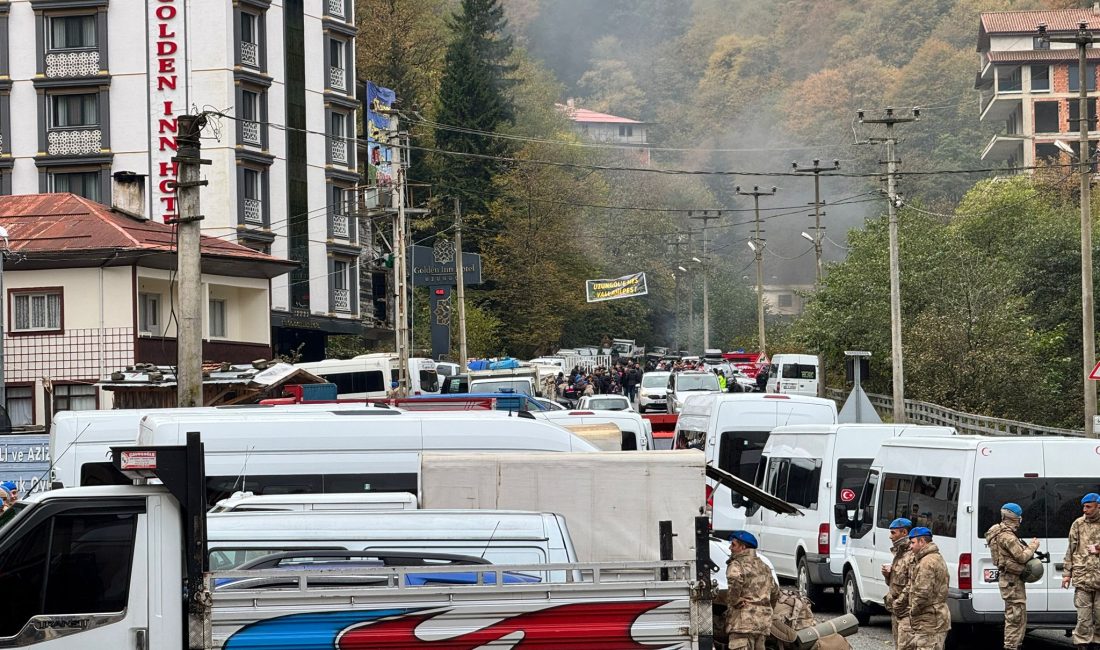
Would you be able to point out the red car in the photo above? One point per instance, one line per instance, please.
(750, 363)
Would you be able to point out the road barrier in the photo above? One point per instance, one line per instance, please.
(965, 423)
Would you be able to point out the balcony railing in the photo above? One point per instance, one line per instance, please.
(74, 142)
(336, 8)
(254, 211)
(339, 151)
(72, 64)
(341, 300)
(336, 78)
(250, 132)
(250, 54)
(340, 226)
(1, 144)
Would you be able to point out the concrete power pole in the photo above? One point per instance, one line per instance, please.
(889, 119)
(757, 245)
(819, 230)
(706, 217)
(1083, 39)
(400, 268)
(461, 288)
(189, 261)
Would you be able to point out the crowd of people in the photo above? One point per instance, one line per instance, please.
(619, 379)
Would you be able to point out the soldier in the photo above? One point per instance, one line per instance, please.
(929, 617)
(1082, 569)
(897, 575)
(1010, 555)
(752, 594)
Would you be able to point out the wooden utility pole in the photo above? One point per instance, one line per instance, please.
(400, 267)
(460, 278)
(757, 245)
(189, 261)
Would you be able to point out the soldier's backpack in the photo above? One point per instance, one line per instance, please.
(794, 612)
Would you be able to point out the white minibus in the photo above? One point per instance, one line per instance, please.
(368, 376)
(246, 501)
(794, 374)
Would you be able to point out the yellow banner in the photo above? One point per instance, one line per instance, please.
(627, 286)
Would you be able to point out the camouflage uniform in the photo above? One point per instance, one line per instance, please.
(1010, 555)
(897, 597)
(928, 614)
(1084, 571)
(752, 595)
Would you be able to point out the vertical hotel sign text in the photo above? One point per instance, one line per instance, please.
(167, 100)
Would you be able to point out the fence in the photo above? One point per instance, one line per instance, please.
(965, 423)
(587, 361)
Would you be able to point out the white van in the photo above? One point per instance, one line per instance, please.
(499, 536)
(368, 376)
(794, 374)
(246, 501)
(637, 431)
(369, 450)
(682, 385)
(956, 487)
(732, 428)
(815, 467)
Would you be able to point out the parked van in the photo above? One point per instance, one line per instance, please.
(732, 428)
(682, 385)
(369, 375)
(637, 431)
(956, 487)
(369, 450)
(794, 374)
(815, 467)
(246, 501)
(499, 536)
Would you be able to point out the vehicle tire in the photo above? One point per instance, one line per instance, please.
(805, 586)
(852, 603)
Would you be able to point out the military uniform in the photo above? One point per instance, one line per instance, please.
(1083, 569)
(1010, 555)
(897, 597)
(928, 613)
(752, 595)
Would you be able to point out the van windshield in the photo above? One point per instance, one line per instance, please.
(1050, 504)
(696, 382)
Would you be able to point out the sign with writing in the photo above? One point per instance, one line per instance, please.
(167, 100)
(628, 286)
(434, 266)
(25, 459)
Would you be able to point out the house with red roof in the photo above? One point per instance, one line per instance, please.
(89, 290)
(1029, 86)
(612, 129)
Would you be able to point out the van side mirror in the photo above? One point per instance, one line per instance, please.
(840, 514)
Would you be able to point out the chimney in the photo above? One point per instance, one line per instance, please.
(128, 194)
(569, 102)
(1096, 8)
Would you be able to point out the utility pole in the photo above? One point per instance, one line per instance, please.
(1083, 39)
(706, 218)
(681, 240)
(889, 119)
(189, 261)
(3, 316)
(819, 230)
(400, 267)
(461, 289)
(757, 245)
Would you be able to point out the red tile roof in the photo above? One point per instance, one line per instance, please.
(585, 115)
(1020, 22)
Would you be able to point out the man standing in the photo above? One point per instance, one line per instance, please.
(1082, 569)
(897, 575)
(752, 594)
(929, 617)
(1009, 556)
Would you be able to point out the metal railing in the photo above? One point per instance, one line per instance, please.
(79, 141)
(336, 8)
(250, 132)
(339, 151)
(917, 412)
(250, 53)
(341, 299)
(340, 226)
(336, 78)
(83, 63)
(253, 211)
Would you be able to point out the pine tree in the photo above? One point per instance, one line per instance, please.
(474, 94)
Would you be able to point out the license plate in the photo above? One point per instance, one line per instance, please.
(991, 575)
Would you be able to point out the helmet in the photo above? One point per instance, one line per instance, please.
(1033, 570)
(1014, 509)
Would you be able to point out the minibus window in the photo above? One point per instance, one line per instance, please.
(102, 474)
(929, 501)
(1064, 503)
(687, 439)
(1028, 493)
(348, 383)
(803, 482)
(429, 381)
(850, 475)
(739, 452)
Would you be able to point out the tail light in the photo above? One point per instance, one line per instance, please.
(965, 582)
(710, 499)
(823, 539)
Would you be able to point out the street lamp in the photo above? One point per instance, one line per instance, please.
(807, 236)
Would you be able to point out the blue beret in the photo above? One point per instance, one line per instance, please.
(10, 486)
(1014, 509)
(920, 531)
(900, 522)
(745, 537)
(1091, 497)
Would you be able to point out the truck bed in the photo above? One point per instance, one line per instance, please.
(610, 606)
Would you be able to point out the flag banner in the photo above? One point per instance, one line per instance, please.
(628, 286)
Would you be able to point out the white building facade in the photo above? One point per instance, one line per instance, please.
(91, 87)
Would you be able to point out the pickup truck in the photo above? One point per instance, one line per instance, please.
(125, 567)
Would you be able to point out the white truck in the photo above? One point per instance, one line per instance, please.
(126, 567)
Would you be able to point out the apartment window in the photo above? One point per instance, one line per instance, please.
(1075, 77)
(1009, 79)
(36, 311)
(1075, 114)
(341, 285)
(74, 397)
(252, 189)
(1040, 78)
(74, 110)
(338, 144)
(250, 117)
(250, 39)
(1046, 117)
(86, 184)
(626, 130)
(337, 70)
(217, 318)
(341, 226)
(1047, 152)
(149, 313)
(20, 405)
(1039, 43)
(786, 301)
(72, 32)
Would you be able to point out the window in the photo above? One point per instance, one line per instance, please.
(739, 452)
(72, 32)
(1050, 504)
(930, 501)
(1075, 81)
(20, 405)
(786, 300)
(336, 72)
(75, 110)
(1046, 152)
(338, 131)
(1039, 43)
(336, 125)
(217, 318)
(74, 397)
(86, 184)
(799, 371)
(1040, 78)
(36, 311)
(252, 196)
(72, 563)
(340, 275)
(149, 313)
(795, 480)
(250, 105)
(1075, 114)
(252, 184)
(221, 487)
(1009, 79)
(1046, 117)
(850, 475)
(250, 39)
(626, 130)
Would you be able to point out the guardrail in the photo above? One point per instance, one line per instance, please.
(918, 412)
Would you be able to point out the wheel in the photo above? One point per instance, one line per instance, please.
(805, 586)
(852, 603)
